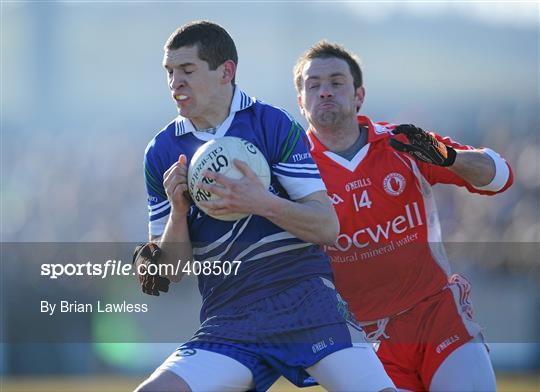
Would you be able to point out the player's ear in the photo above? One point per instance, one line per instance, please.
(359, 95)
(229, 70)
(300, 104)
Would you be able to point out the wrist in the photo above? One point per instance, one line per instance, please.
(271, 206)
(177, 216)
(451, 156)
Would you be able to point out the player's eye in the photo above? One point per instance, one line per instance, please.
(336, 84)
(313, 86)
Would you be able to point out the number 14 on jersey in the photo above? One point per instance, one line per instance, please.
(361, 200)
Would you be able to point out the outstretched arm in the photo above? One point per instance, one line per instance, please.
(474, 166)
(483, 169)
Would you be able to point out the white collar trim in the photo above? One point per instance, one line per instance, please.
(353, 163)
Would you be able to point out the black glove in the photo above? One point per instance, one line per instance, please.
(423, 146)
(147, 254)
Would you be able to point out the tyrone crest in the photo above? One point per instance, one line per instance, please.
(394, 184)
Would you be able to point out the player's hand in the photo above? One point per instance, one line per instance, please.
(144, 256)
(176, 188)
(244, 195)
(423, 146)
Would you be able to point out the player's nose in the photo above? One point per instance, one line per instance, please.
(325, 92)
(177, 81)
(177, 85)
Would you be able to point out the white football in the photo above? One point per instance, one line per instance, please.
(217, 156)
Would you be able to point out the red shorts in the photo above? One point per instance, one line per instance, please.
(417, 341)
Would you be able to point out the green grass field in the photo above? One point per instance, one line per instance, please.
(505, 383)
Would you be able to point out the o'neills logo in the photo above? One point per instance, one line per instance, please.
(441, 347)
(381, 232)
(394, 183)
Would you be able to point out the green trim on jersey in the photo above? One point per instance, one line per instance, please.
(290, 141)
(151, 181)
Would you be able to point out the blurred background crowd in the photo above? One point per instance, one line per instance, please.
(83, 91)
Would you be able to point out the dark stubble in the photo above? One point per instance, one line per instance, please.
(331, 118)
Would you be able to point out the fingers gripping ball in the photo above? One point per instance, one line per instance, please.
(218, 156)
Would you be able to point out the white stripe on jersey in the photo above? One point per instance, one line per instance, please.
(246, 100)
(290, 170)
(155, 207)
(180, 128)
(265, 241)
(160, 210)
(231, 242)
(410, 168)
(299, 165)
(432, 216)
(223, 238)
(281, 249)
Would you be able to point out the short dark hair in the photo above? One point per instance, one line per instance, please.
(324, 49)
(215, 45)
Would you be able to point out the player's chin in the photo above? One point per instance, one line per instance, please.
(184, 110)
(327, 117)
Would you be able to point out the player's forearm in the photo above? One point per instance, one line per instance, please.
(175, 245)
(474, 166)
(311, 221)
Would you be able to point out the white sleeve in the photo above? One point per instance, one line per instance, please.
(299, 180)
(502, 173)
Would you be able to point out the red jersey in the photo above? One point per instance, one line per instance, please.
(389, 254)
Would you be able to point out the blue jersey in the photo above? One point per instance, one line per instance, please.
(271, 258)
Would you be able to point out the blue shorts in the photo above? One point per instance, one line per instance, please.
(281, 335)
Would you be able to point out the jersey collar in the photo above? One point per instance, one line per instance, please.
(375, 132)
(240, 101)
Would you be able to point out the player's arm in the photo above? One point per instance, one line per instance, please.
(168, 227)
(310, 218)
(175, 243)
(482, 170)
(175, 247)
(474, 166)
